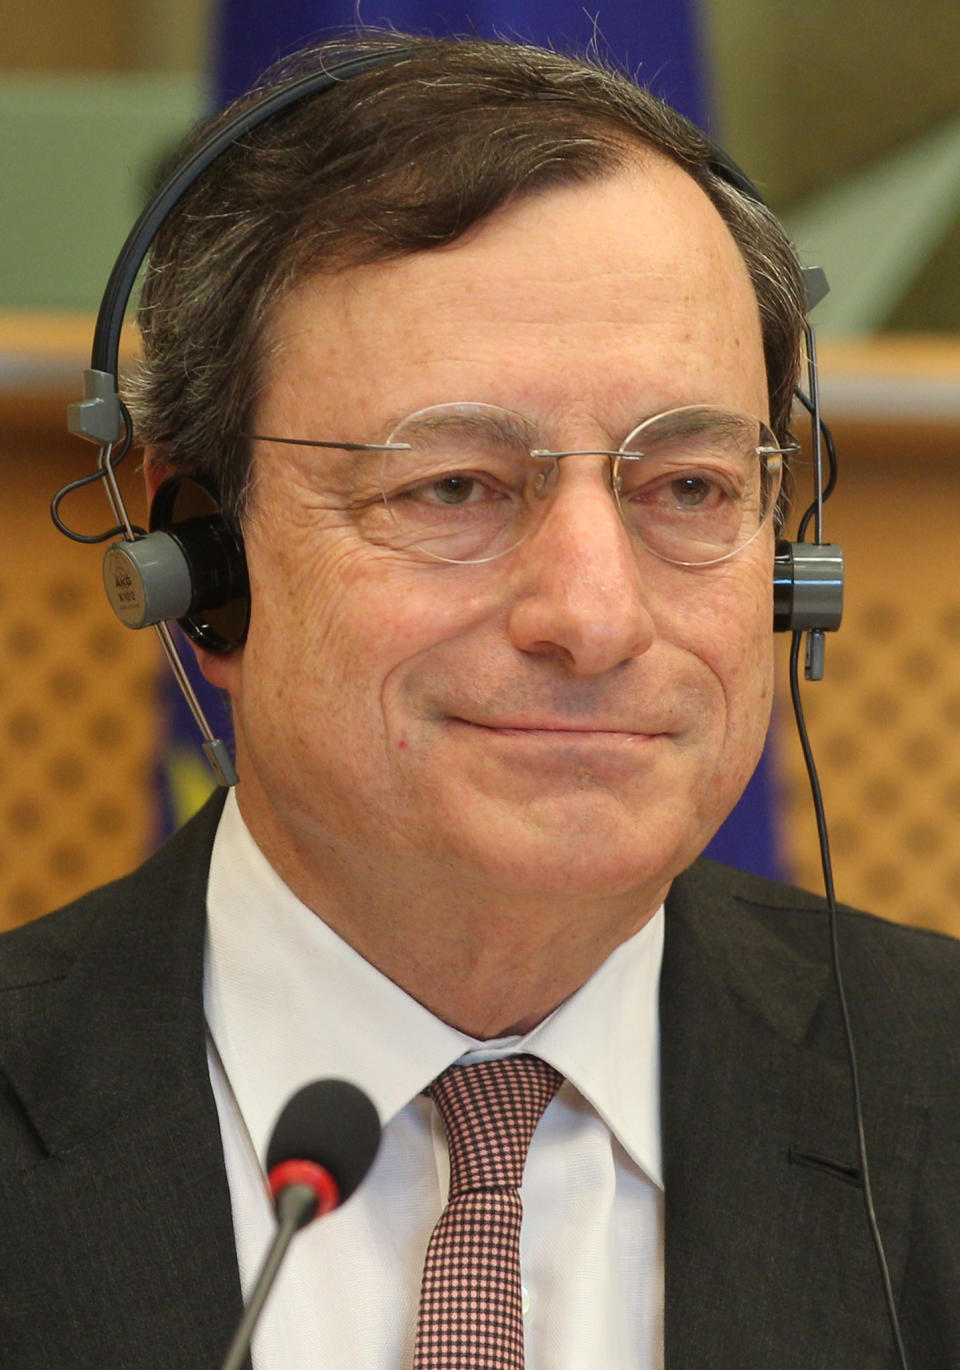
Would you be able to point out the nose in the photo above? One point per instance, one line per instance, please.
(578, 592)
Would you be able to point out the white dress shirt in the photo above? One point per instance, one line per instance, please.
(288, 1001)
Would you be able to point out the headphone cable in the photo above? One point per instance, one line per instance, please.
(833, 922)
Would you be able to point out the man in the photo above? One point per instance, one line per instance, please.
(494, 373)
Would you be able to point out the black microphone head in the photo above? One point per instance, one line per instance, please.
(332, 1123)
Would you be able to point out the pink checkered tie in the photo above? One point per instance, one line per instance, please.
(471, 1314)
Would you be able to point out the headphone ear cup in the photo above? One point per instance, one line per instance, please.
(188, 512)
(807, 587)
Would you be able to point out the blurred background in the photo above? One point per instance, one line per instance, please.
(847, 118)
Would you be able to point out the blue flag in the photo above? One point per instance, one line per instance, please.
(657, 41)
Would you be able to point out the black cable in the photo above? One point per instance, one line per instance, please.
(841, 992)
(112, 463)
(831, 484)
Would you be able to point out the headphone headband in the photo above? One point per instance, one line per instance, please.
(106, 340)
(98, 416)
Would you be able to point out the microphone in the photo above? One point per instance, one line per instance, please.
(322, 1146)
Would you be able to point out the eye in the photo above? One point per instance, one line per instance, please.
(692, 492)
(453, 489)
(436, 491)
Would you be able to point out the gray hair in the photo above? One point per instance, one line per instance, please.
(402, 158)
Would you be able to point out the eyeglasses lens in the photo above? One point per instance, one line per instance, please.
(693, 485)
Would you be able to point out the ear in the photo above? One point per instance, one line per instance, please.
(156, 469)
(221, 670)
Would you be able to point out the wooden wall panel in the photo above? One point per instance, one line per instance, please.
(119, 35)
(885, 721)
(78, 704)
(53, 36)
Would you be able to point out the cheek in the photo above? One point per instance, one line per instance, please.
(346, 622)
(296, 600)
(728, 627)
(745, 661)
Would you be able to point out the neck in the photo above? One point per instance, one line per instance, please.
(490, 961)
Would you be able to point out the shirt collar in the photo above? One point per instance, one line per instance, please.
(289, 1001)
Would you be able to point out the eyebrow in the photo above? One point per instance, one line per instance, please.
(690, 420)
(507, 429)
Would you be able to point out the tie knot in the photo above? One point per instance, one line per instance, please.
(490, 1111)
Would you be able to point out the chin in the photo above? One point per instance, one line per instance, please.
(582, 864)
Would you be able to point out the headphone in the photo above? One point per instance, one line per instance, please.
(190, 565)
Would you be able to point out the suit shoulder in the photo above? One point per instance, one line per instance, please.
(45, 948)
(918, 969)
(790, 905)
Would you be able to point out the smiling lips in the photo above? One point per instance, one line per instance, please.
(558, 730)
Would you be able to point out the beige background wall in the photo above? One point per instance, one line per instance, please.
(79, 724)
(118, 35)
(885, 721)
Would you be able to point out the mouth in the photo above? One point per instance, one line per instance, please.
(563, 731)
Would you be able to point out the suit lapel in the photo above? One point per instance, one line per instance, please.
(104, 1047)
(769, 1260)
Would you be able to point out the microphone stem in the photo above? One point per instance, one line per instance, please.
(295, 1207)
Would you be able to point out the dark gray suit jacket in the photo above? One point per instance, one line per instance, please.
(116, 1241)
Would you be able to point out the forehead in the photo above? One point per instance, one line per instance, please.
(606, 300)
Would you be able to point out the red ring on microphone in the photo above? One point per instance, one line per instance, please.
(307, 1173)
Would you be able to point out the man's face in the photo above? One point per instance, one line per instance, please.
(578, 716)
